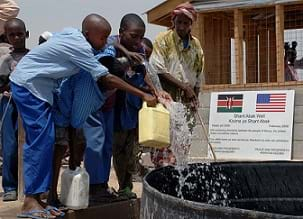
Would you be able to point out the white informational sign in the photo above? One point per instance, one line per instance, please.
(252, 125)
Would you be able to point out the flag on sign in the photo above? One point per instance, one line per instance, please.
(271, 102)
(229, 103)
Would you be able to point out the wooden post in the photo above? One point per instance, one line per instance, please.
(280, 42)
(198, 31)
(21, 140)
(238, 27)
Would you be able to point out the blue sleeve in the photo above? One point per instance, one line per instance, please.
(112, 40)
(81, 54)
(108, 51)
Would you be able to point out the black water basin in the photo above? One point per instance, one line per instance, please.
(225, 190)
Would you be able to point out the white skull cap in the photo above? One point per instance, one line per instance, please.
(46, 35)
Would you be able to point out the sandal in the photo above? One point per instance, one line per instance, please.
(10, 196)
(35, 214)
(56, 203)
(54, 211)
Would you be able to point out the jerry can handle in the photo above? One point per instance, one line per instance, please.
(144, 105)
(158, 105)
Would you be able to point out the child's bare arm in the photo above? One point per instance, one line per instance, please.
(111, 81)
(133, 56)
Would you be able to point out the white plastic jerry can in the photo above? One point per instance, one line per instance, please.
(154, 126)
(75, 188)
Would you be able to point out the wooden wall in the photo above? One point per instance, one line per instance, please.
(214, 31)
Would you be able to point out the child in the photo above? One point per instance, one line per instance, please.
(100, 125)
(158, 156)
(98, 130)
(16, 34)
(148, 48)
(125, 143)
(33, 83)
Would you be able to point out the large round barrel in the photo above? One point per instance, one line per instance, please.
(228, 190)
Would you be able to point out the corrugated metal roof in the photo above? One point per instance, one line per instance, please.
(215, 5)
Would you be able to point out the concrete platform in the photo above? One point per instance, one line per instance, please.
(118, 210)
(124, 209)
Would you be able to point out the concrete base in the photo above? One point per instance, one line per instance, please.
(124, 210)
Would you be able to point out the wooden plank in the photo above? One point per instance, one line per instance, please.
(280, 42)
(263, 55)
(158, 13)
(209, 51)
(272, 55)
(282, 85)
(238, 27)
(251, 51)
(21, 140)
(217, 34)
(198, 31)
(225, 53)
(201, 28)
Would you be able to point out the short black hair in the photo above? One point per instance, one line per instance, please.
(131, 19)
(15, 20)
(147, 42)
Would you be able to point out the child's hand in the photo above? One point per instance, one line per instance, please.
(164, 95)
(150, 100)
(135, 57)
(164, 98)
(189, 92)
(6, 94)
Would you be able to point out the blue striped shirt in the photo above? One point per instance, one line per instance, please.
(75, 99)
(78, 96)
(61, 56)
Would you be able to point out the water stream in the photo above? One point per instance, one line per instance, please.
(181, 140)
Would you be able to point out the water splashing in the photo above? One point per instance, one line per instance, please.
(179, 131)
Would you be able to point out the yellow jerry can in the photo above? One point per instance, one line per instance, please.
(154, 126)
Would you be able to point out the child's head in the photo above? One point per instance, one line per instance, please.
(16, 33)
(96, 29)
(148, 47)
(131, 32)
(113, 65)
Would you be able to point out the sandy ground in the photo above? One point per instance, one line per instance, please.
(9, 210)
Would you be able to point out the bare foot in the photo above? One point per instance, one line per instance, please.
(31, 204)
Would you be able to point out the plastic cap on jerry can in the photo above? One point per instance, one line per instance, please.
(154, 126)
(75, 188)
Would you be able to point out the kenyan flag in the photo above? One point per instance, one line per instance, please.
(230, 103)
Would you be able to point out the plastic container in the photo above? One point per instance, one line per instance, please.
(75, 188)
(154, 126)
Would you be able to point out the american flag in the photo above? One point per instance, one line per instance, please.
(271, 102)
